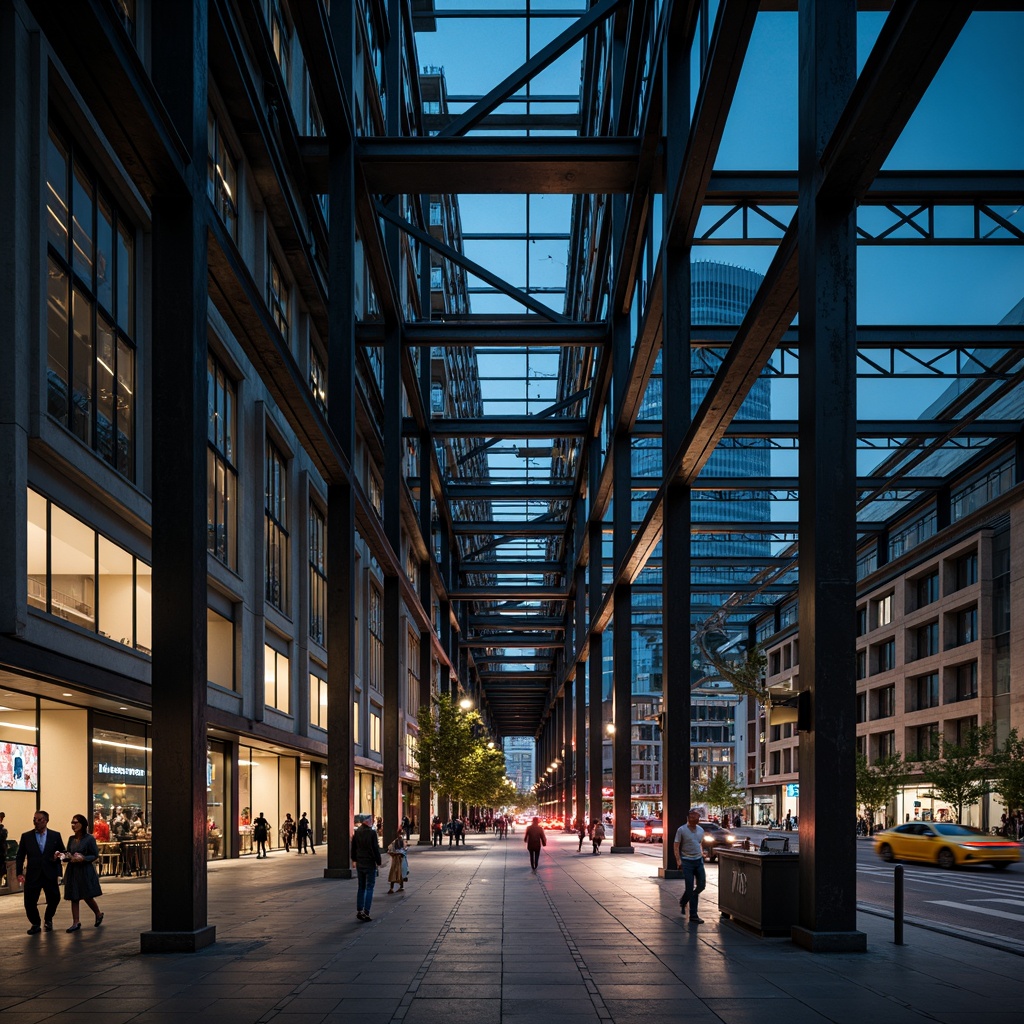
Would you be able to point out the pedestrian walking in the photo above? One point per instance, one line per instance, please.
(398, 871)
(689, 855)
(597, 836)
(366, 858)
(436, 832)
(80, 880)
(38, 867)
(305, 833)
(287, 832)
(581, 831)
(406, 826)
(260, 835)
(535, 839)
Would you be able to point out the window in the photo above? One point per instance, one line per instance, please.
(318, 377)
(867, 562)
(928, 640)
(375, 669)
(318, 700)
(281, 40)
(883, 610)
(926, 691)
(967, 681)
(966, 570)
(376, 494)
(221, 175)
(862, 664)
(862, 707)
(222, 476)
(885, 655)
(862, 620)
(911, 534)
(220, 650)
(277, 297)
(375, 734)
(85, 579)
(355, 723)
(884, 700)
(276, 528)
(127, 11)
(411, 746)
(982, 490)
(962, 728)
(317, 576)
(275, 679)
(774, 663)
(925, 741)
(412, 672)
(928, 589)
(90, 309)
(967, 626)
(885, 744)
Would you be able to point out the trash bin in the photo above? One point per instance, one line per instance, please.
(761, 888)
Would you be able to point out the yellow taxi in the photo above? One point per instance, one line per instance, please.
(945, 844)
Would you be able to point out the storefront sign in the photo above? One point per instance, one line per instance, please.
(120, 771)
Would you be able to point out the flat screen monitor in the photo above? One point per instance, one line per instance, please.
(19, 766)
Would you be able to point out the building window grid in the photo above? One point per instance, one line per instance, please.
(317, 575)
(276, 529)
(278, 297)
(317, 701)
(221, 175)
(276, 679)
(222, 483)
(966, 681)
(412, 671)
(318, 377)
(375, 729)
(90, 316)
(984, 489)
(926, 691)
(375, 625)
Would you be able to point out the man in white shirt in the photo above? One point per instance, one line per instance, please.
(689, 855)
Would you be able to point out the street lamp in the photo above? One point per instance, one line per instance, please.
(465, 703)
(610, 728)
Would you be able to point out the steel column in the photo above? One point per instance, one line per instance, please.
(179, 349)
(828, 470)
(341, 503)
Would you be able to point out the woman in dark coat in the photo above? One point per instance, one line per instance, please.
(260, 834)
(80, 879)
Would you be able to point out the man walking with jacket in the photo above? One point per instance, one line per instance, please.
(366, 857)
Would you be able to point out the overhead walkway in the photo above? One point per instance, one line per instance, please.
(477, 937)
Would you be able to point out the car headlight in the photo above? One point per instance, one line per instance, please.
(709, 839)
(730, 838)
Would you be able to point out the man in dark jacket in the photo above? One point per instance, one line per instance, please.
(39, 870)
(534, 840)
(366, 857)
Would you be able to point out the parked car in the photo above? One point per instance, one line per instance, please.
(717, 838)
(654, 830)
(945, 844)
(637, 831)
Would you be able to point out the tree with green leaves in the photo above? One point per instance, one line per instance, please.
(446, 742)
(1009, 766)
(960, 774)
(878, 783)
(722, 793)
(482, 779)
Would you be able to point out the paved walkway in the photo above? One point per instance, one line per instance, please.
(477, 938)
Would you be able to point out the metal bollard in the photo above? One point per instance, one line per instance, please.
(897, 905)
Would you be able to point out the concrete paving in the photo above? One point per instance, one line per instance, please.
(477, 937)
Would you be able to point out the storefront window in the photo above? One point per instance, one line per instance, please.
(267, 785)
(121, 777)
(216, 800)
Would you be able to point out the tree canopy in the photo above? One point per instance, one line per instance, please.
(878, 784)
(959, 776)
(1009, 780)
(455, 760)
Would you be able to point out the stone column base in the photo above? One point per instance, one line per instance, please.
(178, 942)
(670, 873)
(339, 873)
(829, 942)
(622, 849)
